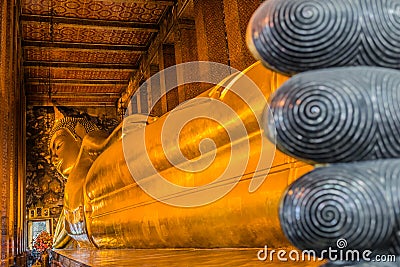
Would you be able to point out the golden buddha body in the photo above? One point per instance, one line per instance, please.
(104, 205)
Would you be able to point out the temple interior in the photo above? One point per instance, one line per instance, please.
(91, 56)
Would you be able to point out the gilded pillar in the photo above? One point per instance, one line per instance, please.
(212, 44)
(143, 103)
(237, 14)
(210, 30)
(5, 83)
(186, 51)
(160, 106)
(133, 108)
(166, 60)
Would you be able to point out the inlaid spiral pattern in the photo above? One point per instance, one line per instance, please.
(391, 179)
(364, 264)
(338, 115)
(395, 246)
(346, 201)
(295, 36)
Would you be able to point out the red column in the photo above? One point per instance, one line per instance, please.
(167, 59)
(210, 30)
(237, 14)
(186, 51)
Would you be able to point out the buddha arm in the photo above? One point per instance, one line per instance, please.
(61, 237)
(96, 142)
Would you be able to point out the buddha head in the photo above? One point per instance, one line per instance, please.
(65, 140)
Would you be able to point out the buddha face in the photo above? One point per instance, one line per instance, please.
(64, 149)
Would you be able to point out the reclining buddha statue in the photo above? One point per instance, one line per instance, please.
(107, 203)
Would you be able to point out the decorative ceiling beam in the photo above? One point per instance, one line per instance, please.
(149, 27)
(77, 82)
(36, 49)
(160, 2)
(73, 95)
(80, 65)
(73, 98)
(47, 102)
(141, 48)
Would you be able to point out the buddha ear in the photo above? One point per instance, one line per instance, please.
(80, 130)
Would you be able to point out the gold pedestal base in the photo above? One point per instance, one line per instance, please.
(167, 258)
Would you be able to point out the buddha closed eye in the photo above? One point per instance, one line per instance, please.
(64, 149)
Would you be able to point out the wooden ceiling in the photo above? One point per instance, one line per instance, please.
(83, 52)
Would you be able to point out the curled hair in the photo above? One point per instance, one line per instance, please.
(70, 123)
